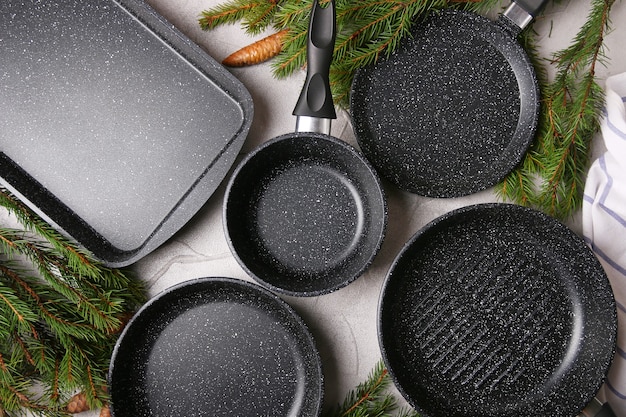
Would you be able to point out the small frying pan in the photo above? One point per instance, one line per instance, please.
(216, 347)
(305, 213)
(497, 310)
(455, 108)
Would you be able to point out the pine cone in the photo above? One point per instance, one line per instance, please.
(105, 412)
(77, 404)
(257, 52)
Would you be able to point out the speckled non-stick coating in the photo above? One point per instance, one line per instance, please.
(305, 214)
(497, 310)
(116, 128)
(452, 111)
(216, 347)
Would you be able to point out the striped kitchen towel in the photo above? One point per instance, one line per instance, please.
(604, 224)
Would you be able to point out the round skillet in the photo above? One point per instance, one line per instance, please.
(215, 347)
(497, 310)
(305, 213)
(454, 109)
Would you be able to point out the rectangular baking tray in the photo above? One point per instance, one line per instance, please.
(114, 126)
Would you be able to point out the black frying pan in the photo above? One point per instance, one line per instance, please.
(305, 213)
(455, 108)
(215, 347)
(497, 310)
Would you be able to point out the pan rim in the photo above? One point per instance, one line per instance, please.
(375, 235)
(609, 329)
(253, 295)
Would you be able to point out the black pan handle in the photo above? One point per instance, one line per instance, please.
(316, 99)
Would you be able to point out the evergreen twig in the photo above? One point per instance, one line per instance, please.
(60, 313)
(256, 15)
(551, 178)
(371, 399)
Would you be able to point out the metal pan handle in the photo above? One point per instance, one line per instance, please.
(316, 99)
(522, 12)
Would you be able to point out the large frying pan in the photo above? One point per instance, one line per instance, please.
(497, 310)
(215, 347)
(455, 108)
(305, 213)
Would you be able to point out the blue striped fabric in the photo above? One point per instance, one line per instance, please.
(604, 224)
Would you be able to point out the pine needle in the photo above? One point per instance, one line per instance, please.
(371, 398)
(551, 177)
(255, 15)
(60, 312)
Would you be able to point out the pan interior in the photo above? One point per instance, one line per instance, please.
(216, 347)
(497, 311)
(312, 232)
(305, 214)
(452, 111)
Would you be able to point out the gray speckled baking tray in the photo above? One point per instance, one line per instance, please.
(114, 126)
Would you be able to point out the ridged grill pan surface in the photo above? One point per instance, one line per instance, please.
(497, 310)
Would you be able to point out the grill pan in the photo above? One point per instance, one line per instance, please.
(216, 347)
(114, 126)
(497, 310)
(453, 110)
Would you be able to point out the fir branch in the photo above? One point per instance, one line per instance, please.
(293, 54)
(263, 18)
(60, 312)
(76, 258)
(295, 13)
(370, 398)
(255, 15)
(226, 13)
(60, 278)
(367, 392)
(552, 175)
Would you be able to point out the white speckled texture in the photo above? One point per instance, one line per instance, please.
(121, 123)
(216, 347)
(497, 310)
(305, 214)
(452, 111)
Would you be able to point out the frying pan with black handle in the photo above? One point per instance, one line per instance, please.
(305, 213)
(453, 110)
